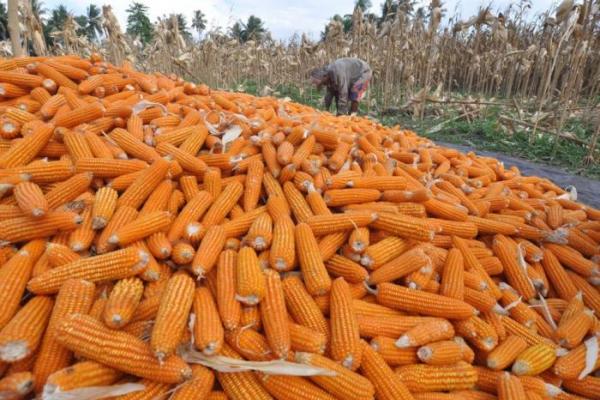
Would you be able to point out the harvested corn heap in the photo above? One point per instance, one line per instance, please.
(160, 238)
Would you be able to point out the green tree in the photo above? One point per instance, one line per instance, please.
(3, 22)
(93, 27)
(37, 7)
(237, 31)
(184, 30)
(253, 29)
(56, 22)
(199, 22)
(364, 5)
(138, 22)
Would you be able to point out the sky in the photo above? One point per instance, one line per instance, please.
(282, 17)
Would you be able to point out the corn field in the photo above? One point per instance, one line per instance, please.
(547, 66)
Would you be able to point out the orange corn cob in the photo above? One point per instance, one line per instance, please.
(445, 352)
(144, 184)
(223, 204)
(114, 265)
(388, 385)
(208, 330)
(282, 255)
(250, 281)
(229, 308)
(241, 385)
(315, 274)
(122, 302)
(346, 384)
(506, 352)
(260, 233)
(403, 265)
(192, 211)
(30, 199)
(306, 339)
(587, 387)
(341, 266)
(172, 316)
(23, 334)
(25, 150)
(292, 388)
(534, 360)
(428, 378)
(393, 355)
(188, 161)
(432, 331)
(88, 337)
(302, 306)
(198, 387)
(510, 388)
(297, 202)
(434, 305)
(253, 184)
(105, 203)
(345, 337)
(326, 224)
(140, 228)
(274, 315)
(383, 251)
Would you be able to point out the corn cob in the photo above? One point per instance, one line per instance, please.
(198, 387)
(144, 184)
(345, 336)
(510, 387)
(432, 331)
(122, 302)
(142, 227)
(274, 316)
(250, 281)
(428, 378)
(534, 360)
(30, 199)
(25, 150)
(445, 352)
(114, 265)
(346, 384)
(314, 272)
(506, 352)
(172, 316)
(241, 385)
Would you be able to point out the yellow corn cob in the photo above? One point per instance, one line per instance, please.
(534, 360)
(345, 337)
(434, 305)
(510, 387)
(302, 306)
(140, 228)
(14, 275)
(172, 317)
(114, 265)
(74, 296)
(346, 384)
(223, 204)
(198, 387)
(429, 378)
(208, 330)
(144, 184)
(22, 335)
(432, 331)
(506, 352)
(314, 272)
(30, 199)
(86, 336)
(250, 281)
(122, 302)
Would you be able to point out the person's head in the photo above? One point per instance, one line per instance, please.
(318, 76)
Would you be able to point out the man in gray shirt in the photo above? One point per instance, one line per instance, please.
(346, 80)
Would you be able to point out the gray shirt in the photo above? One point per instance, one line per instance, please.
(343, 74)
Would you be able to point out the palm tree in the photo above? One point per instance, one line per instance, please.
(254, 29)
(37, 7)
(82, 21)
(93, 28)
(237, 31)
(56, 22)
(3, 22)
(364, 5)
(183, 27)
(138, 22)
(199, 22)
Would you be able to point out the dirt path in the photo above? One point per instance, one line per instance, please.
(588, 190)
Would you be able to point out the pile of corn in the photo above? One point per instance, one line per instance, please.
(156, 232)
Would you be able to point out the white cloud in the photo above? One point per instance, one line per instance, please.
(282, 17)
